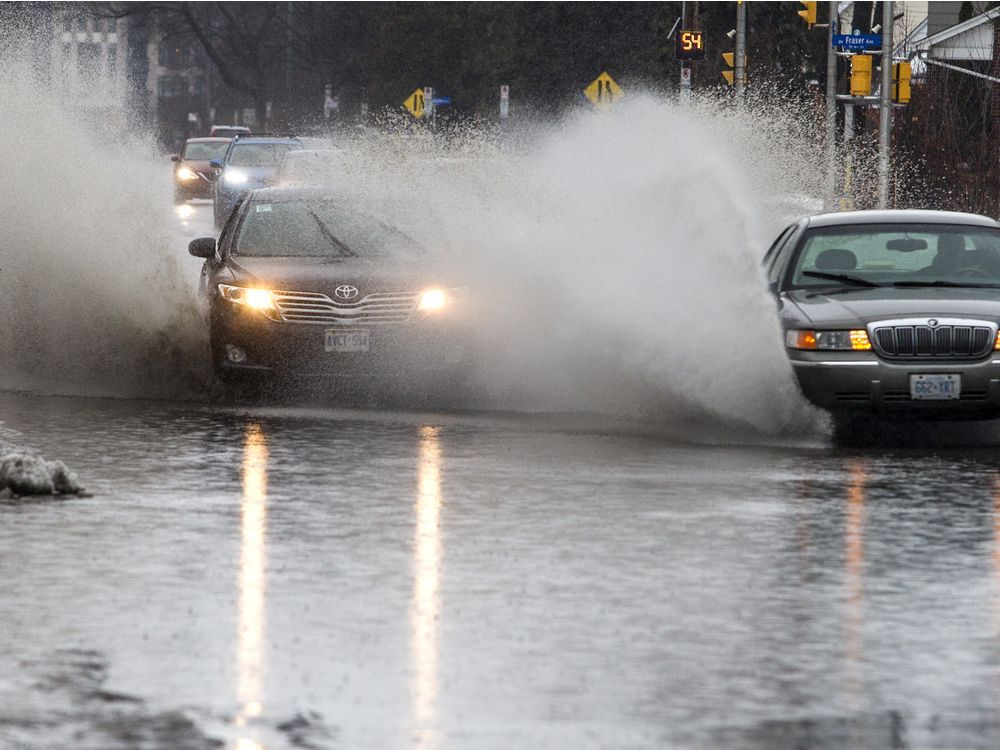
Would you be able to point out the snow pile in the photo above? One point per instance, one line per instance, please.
(24, 474)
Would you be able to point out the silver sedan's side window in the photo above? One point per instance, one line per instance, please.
(773, 253)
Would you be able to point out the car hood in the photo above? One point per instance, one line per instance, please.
(325, 274)
(257, 175)
(198, 165)
(849, 308)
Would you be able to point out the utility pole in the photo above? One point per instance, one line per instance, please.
(740, 61)
(885, 106)
(831, 106)
(685, 65)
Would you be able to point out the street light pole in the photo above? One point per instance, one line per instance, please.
(740, 58)
(885, 106)
(831, 106)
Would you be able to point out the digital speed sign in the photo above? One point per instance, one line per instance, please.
(690, 44)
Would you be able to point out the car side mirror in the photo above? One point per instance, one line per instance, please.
(215, 163)
(175, 157)
(203, 247)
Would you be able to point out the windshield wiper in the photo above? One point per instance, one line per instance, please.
(955, 284)
(844, 277)
(344, 249)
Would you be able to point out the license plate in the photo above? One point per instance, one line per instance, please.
(935, 387)
(346, 341)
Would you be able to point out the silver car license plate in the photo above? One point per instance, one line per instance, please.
(935, 387)
(346, 341)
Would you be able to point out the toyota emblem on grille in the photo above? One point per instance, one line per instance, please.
(932, 322)
(346, 291)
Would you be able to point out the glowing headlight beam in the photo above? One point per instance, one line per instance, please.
(432, 299)
(186, 174)
(234, 177)
(256, 299)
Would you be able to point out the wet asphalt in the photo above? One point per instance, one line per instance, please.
(308, 576)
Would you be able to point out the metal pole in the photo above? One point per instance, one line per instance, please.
(685, 64)
(885, 107)
(831, 107)
(739, 66)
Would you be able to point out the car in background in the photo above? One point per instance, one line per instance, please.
(892, 312)
(250, 162)
(228, 131)
(193, 172)
(312, 168)
(303, 285)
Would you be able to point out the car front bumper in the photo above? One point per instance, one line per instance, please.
(296, 350)
(861, 381)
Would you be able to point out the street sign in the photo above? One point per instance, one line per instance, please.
(857, 42)
(415, 103)
(603, 91)
(504, 101)
(690, 45)
(441, 101)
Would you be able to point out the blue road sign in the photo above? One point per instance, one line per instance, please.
(440, 100)
(857, 42)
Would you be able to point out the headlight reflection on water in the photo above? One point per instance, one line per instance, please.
(425, 607)
(250, 661)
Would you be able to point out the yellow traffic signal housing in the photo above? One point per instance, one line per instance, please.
(809, 13)
(901, 83)
(730, 75)
(861, 75)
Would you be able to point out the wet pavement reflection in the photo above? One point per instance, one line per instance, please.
(275, 578)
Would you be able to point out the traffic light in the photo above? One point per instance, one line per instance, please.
(809, 13)
(730, 75)
(861, 75)
(901, 83)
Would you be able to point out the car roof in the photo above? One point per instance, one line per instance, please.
(207, 139)
(899, 216)
(266, 139)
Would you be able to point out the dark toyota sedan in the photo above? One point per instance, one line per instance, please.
(301, 285)
(892, 312)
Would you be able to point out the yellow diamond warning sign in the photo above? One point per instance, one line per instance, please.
(603, 91)
(415, 103)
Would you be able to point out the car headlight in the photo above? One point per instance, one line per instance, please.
(234, 177)
(432, 299)
(436, 299)
(854, 340)
(260, 300)
(185, 174)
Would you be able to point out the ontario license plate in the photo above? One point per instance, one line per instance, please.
(346, 341)
(935, 387)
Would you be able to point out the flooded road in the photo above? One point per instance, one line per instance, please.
(321, 578)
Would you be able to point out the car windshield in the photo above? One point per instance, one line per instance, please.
(258, 154)
(897, 254)
(318, 228)
(205, 151)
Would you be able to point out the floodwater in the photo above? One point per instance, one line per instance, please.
(319, 578)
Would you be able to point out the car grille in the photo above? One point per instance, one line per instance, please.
(963, 340)
(380, 308)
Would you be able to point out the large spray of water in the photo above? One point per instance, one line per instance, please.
(615, 255)
(91, 293)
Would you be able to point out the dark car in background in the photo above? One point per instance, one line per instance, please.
(193, 172)
(250, 162)
(302, 285)
(892, 312)
(228, 131)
